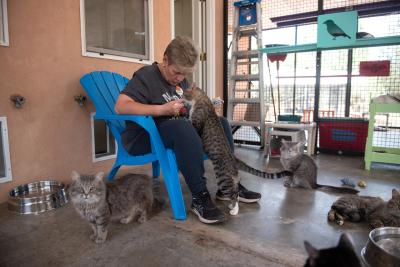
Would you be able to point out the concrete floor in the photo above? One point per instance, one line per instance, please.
(270, 233)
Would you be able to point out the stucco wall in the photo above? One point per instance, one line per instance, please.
(51, 135)
(219, 47)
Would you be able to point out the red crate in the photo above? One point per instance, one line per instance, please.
(343, 134)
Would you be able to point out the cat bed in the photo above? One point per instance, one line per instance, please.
(37, 197)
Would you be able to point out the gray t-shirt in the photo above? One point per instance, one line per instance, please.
(148, 86)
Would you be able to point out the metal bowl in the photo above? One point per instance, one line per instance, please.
(37, 197)
(382, 248)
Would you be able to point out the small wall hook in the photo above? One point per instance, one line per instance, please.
(18, 100)
(80, 99)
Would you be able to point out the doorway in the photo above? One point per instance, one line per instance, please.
(190, 19)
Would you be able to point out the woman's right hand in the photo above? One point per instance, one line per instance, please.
(171, 108)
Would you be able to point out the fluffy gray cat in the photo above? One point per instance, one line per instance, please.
(303, 169)
(124, 199)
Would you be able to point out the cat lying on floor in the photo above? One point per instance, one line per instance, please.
(124, 199)
(342, 255)
(374, 210)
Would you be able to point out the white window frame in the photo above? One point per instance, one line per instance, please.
(4, 40)
(6, 151)
(85, 53)
(107, 157)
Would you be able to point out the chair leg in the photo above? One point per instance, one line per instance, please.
(171, 179)
(156, 168)
(113, 171)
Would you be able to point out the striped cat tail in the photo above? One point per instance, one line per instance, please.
(335, 189)
(267, 175)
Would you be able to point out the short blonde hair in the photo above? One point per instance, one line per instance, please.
(182, 52)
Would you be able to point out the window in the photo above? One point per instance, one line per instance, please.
(5, 164)
(103, 142)
(118, 29)
(3, 23)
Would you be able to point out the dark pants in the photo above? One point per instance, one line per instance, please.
(182, 138)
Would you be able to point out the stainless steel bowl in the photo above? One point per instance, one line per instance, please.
(37, 197)
(382, 248)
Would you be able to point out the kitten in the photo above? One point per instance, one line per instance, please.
(342, 255)
(303, 169)
(123, 199)
(374, 210)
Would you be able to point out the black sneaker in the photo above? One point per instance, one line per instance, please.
(205, 209)
(245, 195)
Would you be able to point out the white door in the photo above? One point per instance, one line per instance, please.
(191, 18)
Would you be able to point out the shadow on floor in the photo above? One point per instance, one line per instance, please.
(268, 233)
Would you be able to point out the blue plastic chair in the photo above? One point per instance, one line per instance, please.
(103, 88)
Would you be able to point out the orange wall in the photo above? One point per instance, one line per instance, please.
(51, 135)
(219, 48)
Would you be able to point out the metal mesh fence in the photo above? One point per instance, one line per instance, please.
(344, 89)
(387, 130)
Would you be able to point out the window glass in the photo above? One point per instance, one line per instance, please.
(3, 23)
(118, 27)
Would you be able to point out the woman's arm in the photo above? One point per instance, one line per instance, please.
(126, 105)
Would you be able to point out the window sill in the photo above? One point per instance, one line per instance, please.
(103, 158)
(118, 58)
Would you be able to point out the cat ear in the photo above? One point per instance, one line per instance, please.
(313, 253)
(192, 85)
(75, 176)
(99, 176)
(284, 143)
(346, 241)
(300, 144)
(395, 193)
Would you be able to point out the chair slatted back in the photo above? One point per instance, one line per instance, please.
(103, 88)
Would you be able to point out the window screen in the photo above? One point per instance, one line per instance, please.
(118, 27)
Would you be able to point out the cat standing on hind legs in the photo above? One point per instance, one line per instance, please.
(123, 199)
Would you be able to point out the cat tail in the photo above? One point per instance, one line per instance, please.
(158, 204)
(241, 165)
(336, 189)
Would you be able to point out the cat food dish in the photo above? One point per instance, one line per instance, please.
(383, 248)
(37, 197)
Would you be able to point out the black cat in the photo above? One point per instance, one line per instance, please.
(340, 256)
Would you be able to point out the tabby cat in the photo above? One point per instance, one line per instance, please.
(303, 170)
(374, 210)
(124, 199)
(201, 113)
(342, 255)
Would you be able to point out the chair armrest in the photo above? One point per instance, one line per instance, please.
(146, 122)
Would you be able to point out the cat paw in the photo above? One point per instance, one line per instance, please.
(339, 219)
(376, 224)
(331, 215)
(142, 219)
(126, 220)
(93, 237)
(99, 240)
(287, 184)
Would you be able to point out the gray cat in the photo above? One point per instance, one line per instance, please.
(303, 169)
(374, 210)
(123, 199)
